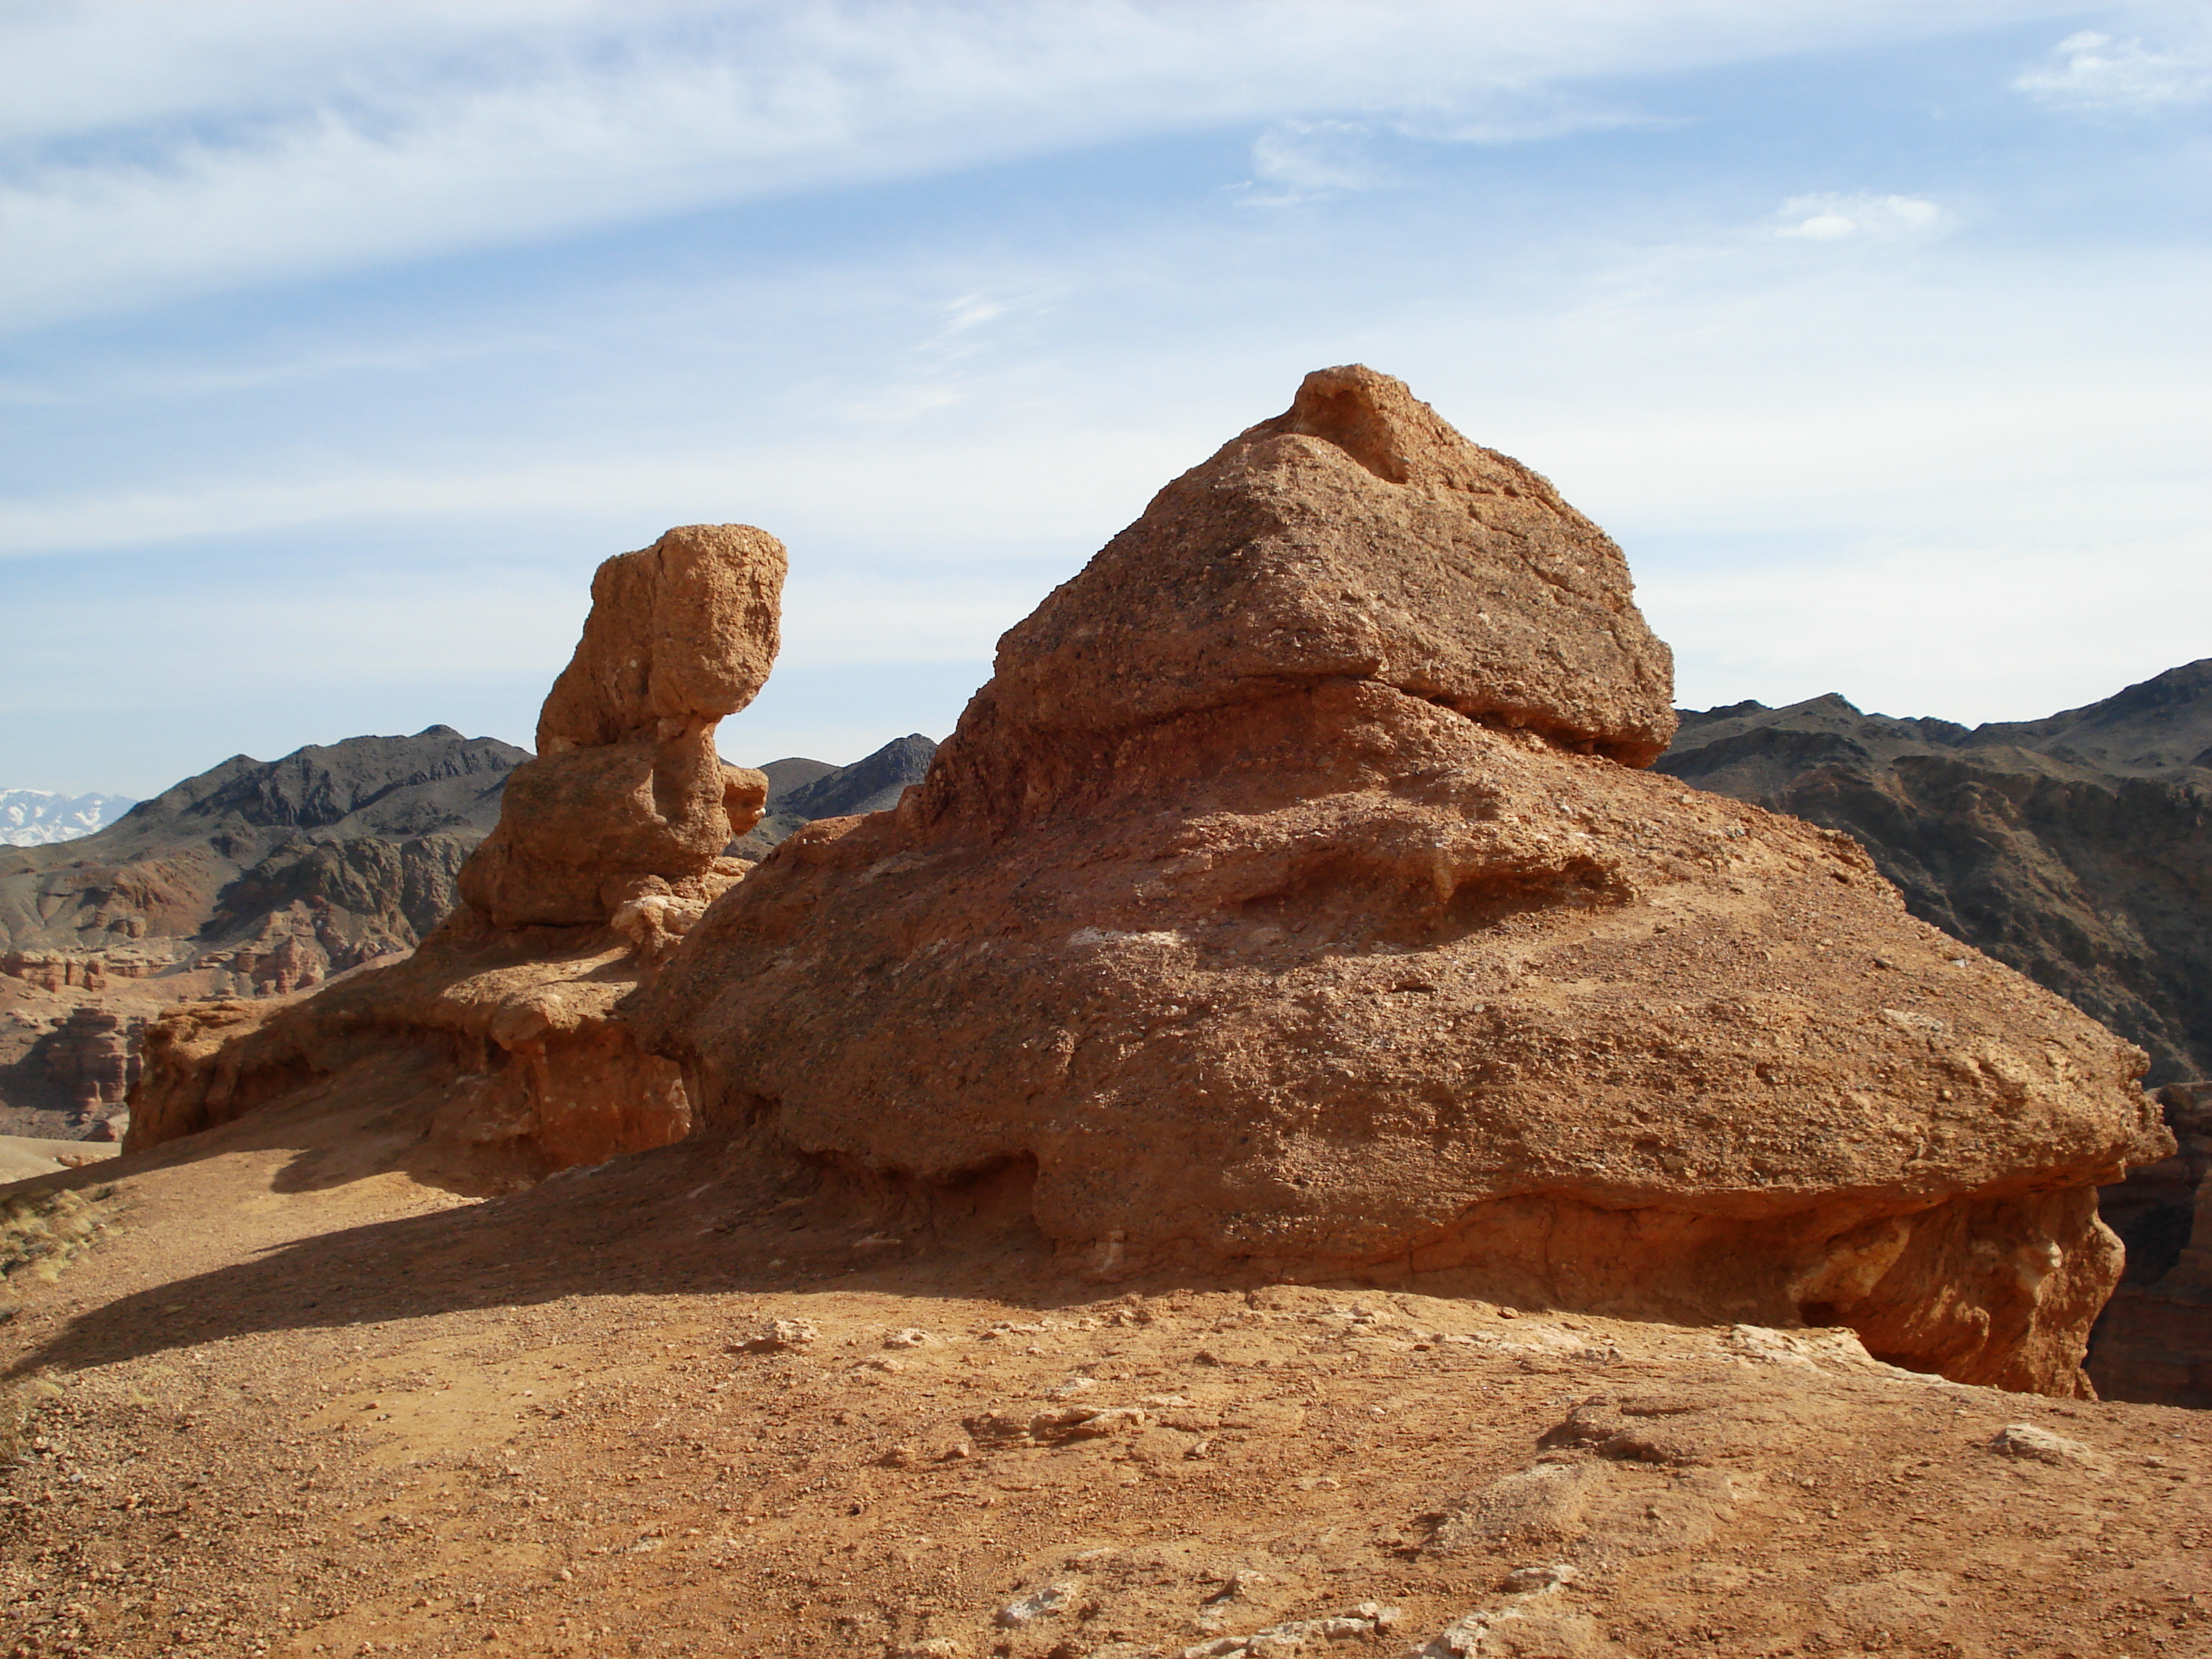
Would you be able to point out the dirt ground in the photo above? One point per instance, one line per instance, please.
(267, 1394)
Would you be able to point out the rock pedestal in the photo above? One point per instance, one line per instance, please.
(626, 796)
(500, 1032)
(93, 1056)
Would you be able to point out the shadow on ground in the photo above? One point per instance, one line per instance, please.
(695, 1218)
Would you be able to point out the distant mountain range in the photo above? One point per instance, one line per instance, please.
(2077, 850)
(262, 876)
(801, 791)
(38, 818)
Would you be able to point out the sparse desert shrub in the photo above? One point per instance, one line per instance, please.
(41, 1231)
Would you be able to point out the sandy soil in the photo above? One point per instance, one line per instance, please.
(283, 1396)
(23, 1157)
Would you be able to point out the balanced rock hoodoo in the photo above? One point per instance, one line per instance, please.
(1290, 903)
(627, 797)
(500, 1030)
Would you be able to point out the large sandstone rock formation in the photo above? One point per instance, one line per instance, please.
(499, 1034)
(1290, 903)
(627, 793)
(2077, 850)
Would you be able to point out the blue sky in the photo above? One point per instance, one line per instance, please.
(338, 342)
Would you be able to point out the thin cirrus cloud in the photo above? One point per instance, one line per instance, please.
(2089, 70)
(1295, 161)
(285, 142)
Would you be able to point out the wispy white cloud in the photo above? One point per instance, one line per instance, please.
(1827, 217)
(1297, 160)
(991, 487)
(2093, 71)
(155, 150)
(1960, 482)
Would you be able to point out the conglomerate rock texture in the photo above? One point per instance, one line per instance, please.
(498, 1035)
(626, 793)
(1285, 905)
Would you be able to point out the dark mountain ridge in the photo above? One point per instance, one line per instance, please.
(369, 786)
(800, 791)
(2160, 728)
(2076, 848)
(258, 875)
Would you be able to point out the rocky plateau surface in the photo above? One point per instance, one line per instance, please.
(289, 1400)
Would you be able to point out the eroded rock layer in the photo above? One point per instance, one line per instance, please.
(1283, 905)
(627, 794)
(497, 1038)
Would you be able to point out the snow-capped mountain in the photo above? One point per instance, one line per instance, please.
(34, 817)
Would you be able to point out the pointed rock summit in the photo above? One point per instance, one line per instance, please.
(1355, 536)
(1291, 904)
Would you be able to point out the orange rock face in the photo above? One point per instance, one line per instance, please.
(1284, 906)
(627, 794)
(498, 1039)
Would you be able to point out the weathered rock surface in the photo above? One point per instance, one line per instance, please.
(93, 1054)
(497, 1045)
(627, 788)
(2076, 849)
(1355, 539)
(1284, 905)
(498, 1035)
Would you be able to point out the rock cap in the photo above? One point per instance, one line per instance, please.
(1356, 535)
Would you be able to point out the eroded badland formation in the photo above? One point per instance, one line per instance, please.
(1292, 1139)
(261, 878)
